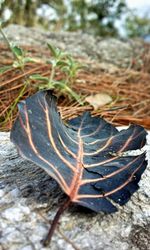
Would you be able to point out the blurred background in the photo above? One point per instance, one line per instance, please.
(123, 18)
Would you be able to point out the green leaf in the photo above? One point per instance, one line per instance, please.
(39, 77)
(74, 95)
(17, 51)
(30, 59)
(62, 63)
(52, 50)
(65, 69)
(4, 69)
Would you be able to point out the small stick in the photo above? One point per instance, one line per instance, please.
(64, 206)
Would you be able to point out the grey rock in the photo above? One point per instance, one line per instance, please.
(29, 198)
(103, 50)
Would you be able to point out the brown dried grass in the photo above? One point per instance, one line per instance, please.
(129, 88)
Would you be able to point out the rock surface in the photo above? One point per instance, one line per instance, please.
(29, 198)
(104, 50)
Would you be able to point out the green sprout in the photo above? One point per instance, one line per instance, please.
(18, 55)
(59, 61)
(65, 63)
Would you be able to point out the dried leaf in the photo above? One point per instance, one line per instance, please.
(98, 100)
(86, 156)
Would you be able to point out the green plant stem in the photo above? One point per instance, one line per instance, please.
(15, 103)
(51, 78)
(7, 42)
(5, 37)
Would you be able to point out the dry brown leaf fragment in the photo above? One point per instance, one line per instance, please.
(98, 100)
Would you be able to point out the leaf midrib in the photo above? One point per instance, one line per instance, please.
(77, 178)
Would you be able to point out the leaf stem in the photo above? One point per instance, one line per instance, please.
(7, 42)
(64, 206)
(5, 37)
